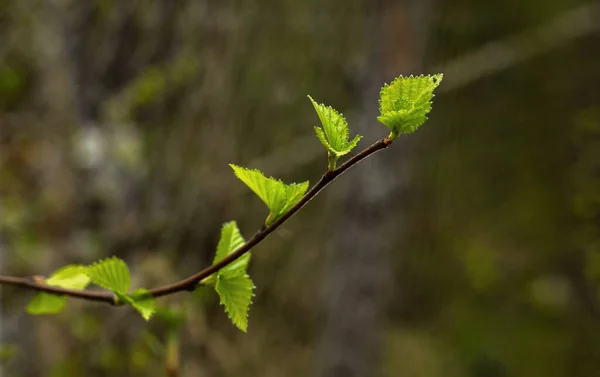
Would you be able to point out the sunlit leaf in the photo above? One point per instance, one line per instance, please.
(406, 101)
(293, 194)
(334, 134)
(142, 302)
(278, 196)
(111, 274)
(231, 239)
(232, 284)
(235, 293)
(70, 277)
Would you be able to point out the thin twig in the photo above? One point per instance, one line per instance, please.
(35, 284)
(190, 283)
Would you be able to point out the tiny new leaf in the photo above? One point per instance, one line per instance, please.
(111, 273)
(334, 134)
(278, 196)
(233, 285)
(405, 103)
(70, 277)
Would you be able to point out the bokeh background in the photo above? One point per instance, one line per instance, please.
(470, 248)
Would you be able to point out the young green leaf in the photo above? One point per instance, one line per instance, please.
(231, 239)
(111, 273)
(293, 193)
(45, 303)
(232, 284)
(235, 293)
(270, 190)
(334, 134)
(142, 302)
(71, 277)
(278, 196)
(405, 103)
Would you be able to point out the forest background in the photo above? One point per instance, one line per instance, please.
(470, 248)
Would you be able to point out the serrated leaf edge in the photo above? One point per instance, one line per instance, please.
(103, 284)
(274, 213)
(418, 105)
(324, 136)
(243, 324)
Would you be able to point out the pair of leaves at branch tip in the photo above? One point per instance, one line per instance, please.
(406, 101)
(278, 196)
(113, 274)
(334, 134)
(232, 283)
(70, 277)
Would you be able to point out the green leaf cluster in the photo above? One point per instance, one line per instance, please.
(70, 277)
(232, 283)
(334, 134)
(112, 274)
(278, 196)
(405, 103)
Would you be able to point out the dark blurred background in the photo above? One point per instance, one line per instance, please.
(470, 248)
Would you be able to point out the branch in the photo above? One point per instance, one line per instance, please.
(190, 283)
(36, 283)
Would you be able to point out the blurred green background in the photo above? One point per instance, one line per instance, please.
(470, 248)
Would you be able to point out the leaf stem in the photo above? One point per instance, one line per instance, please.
(331, 161)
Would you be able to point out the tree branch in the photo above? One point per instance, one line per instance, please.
(36, 283)
(190, 283)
